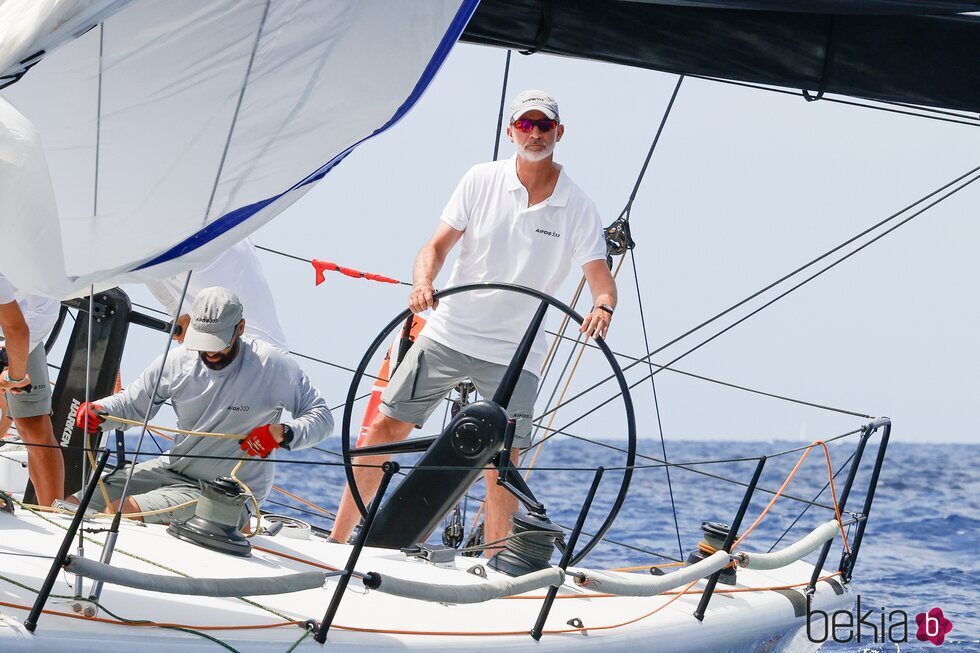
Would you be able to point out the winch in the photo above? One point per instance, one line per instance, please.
(532, 541)
(713, 540)
(217, 519)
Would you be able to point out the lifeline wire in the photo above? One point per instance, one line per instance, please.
(734, 386)
(782, 279)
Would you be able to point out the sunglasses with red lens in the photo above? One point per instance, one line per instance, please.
(527, 125)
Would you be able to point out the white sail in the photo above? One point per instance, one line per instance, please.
(30, 28)
(177, 127)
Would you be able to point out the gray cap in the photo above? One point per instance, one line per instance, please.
(534, 101)
(215, 315)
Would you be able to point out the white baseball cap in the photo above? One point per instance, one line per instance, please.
(534, 101)
(215, 315)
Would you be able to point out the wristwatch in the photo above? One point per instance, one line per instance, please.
(605, 307)
(287, 436)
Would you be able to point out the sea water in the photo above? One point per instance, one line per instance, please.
(919, 552)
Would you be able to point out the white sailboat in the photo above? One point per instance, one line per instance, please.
(269, 95)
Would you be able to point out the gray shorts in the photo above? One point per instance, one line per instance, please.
(38, 400)
(430, 370)
(153, 487)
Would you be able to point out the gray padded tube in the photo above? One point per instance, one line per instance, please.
(472, 592)
(196, 586)
(622, 584)
(793, 552)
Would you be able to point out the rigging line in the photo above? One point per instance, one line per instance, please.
(783, 294)
(783, 278)
(150, 308)
(936, 110)
(276, 251)
(689, 466)
(238, 108)
(653, 384)
(805, 510)
(305, 511)
(736, 386)
(294, 353)
(503, 99)
(80, 550)
(152, 401)
(539, 448)
(631, 547)
(550, 360)
(91, 295)
(656, 139)
(853, 103)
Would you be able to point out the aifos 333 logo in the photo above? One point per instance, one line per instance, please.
(876, 625)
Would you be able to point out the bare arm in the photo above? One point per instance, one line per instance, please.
(603, 289)
(428, 263)
(17, 343)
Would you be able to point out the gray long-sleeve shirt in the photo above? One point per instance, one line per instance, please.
(250, 392)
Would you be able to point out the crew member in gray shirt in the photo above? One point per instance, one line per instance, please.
(218, 382)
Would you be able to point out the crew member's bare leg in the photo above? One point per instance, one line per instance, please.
(130, 506)
(44, 463)
(383, 430)
(499, 506)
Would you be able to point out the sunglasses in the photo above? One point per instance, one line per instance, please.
(527, 126)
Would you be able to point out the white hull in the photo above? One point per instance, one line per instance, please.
(735, 621)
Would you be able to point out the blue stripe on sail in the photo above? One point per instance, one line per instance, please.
(238, 216)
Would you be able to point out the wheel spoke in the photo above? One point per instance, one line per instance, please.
(405, 446)
(513, 374)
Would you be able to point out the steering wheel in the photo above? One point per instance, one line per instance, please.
(501, 397)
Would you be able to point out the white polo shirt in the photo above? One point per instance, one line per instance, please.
(239, 270)
(40, 313)
(507, 241)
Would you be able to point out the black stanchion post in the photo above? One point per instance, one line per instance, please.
(59, 560)
(567, 554)
(709, 588)
(390, 469)
(847, 562)
(851, 474)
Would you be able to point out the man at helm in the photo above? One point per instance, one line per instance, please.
(219, 382)
(521, 221)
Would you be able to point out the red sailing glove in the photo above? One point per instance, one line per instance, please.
(96, 416)
(259, 442)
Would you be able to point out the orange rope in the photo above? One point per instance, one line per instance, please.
(295, 558)
(833, 492)
(568, 382)
(564, 323)
(779, 492)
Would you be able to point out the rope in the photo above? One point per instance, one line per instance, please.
(167, 429)
(503, 99)
(653, 384)
(255, 502)
(625, 214)
(805, 510)
(734, 386)
(786, 482)
(964, 119)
